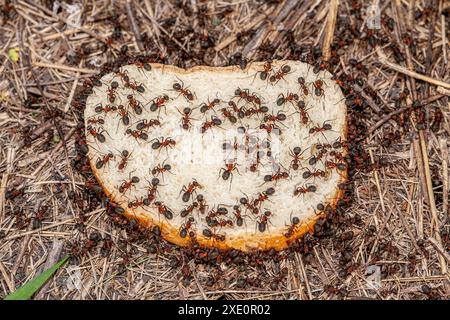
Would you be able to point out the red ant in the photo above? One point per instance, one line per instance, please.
(295, 154)
(158, 169)
(133, 103)
(127, 184)
(159, 102)
(209, 124)
(162, 209)
(143, 65)
(187, 94)
(263, 220)
(292, 228)
(318, 90)
(152, 189)
(202, 204)
(209, 234)
(254, 166)
(277, 176)
(228, 115)
(186, 211)
(209, 106)
(338, 165)
(249, 205)
(123, 113)
(238, 216)
(269, 128)
(290, 97)
(112, 91)
(302, 110)
(99, 108)
(273, 118)
(325, 127)
(137, 134)
(184, 229)
(135, 86)
(245, 94)
(302, 83)
(163, 143)
(123, 75)
(186, 119)
(97, 120)
(263, 196)
(103, 160)
(283, 71)
(138, 203)
(267, 68)
(303, 190)
(187, 191)
(125, 155)
(146, 124)
(316, 173)
(227, 171)
(224, 223)
(97, 134)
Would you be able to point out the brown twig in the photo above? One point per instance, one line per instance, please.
(134, 26)
(329, 30)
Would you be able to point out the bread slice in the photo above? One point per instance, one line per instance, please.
(223, 144)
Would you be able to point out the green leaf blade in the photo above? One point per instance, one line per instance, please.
(26, 291)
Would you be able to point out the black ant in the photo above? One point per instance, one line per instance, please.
(186, 119)
(187, 94)
(290, 97)
(303, 190)
(187, 191)
(209, 106)
(125, 155)
(283, 71)
(103, 160)
(185, 227)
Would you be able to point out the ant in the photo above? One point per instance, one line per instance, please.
(158, 169)
(135, 86)
(125, 155)
(202, 204)
(152, 189)
(186, 119)
(240, 111)
(187, 94)
(318, 90)
(277, 176)
(228, 115)
(248, 205)
(123, 113)
(290, 97)
(224, 223)
(316, 173)
(127, 184)
(209, 234)
(184, 229)
(163, 143)
(133, 103)
(97, 134)
(295, 154)
(96, 121)
(238, 215)
(303, 112)
(227, 171)
(162, 209)
(302, 83)
(103, 160)
(146, 124)
(143, 65)
(39, 216)
(263, 196)
(254, 166)
(303, 190)
(338, 165)
(263, 221)
(273, 118)
(267, 68)
(209, 106)
(137, 134)
(187, 191)
(159, 102)
(112, 91)
(123, 75)
(269, 128)
(209, 124)
(325, 127)
(283, 71)
(106, 109)
(138, 203)
(186, 211)
(292, 228)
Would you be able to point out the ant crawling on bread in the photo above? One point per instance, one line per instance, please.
(127, 184)
(111, 91)
(226, 172)
(185, 227)
(186, 119)
(125, 155)
(267, 69)
(263, 221)
(209, 106)
(210, 234)
(103, 160)
(293, 227)
(305, 189)
(182, 90)
(289, 97)
(161, 169)
(105, 109)
(97, 133)
(146, 124)
(164, 210)
(152, 189)
(137, 134)
(189, 190)
(295, 154)
(138, 203)
(163, 143)
(123, 113)
(280, 74)
(134, 104)
(209, 124)
(189, 209)
(159, 102)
